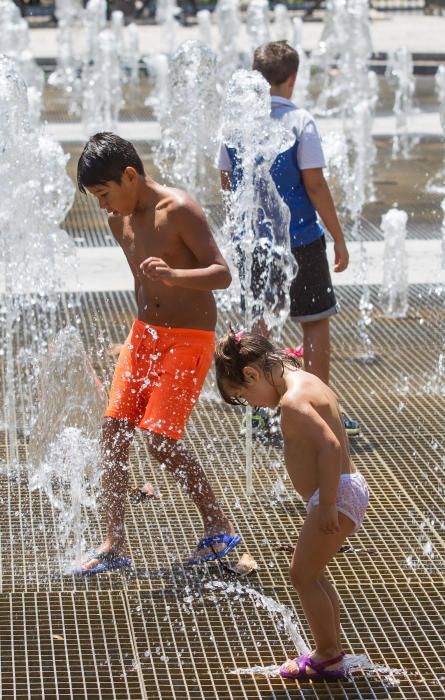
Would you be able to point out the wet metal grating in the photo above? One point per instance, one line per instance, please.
(170, 633)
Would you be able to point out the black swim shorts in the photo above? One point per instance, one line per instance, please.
(311, 294)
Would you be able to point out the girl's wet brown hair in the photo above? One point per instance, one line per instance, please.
(234, 351)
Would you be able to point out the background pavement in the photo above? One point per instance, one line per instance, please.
(421, 34)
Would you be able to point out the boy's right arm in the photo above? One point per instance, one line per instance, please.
(116, 227)
(224, 165)
(311, 161)
(320, 195)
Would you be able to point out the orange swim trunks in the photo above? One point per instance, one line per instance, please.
(159, 376)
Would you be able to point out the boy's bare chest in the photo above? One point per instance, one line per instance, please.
(141, 242)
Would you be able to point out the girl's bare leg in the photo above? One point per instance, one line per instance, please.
(317, 349)
(332, 593)
(313, 552)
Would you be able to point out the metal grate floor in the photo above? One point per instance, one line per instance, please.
(169, 633)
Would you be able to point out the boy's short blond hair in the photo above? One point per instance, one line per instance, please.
(276, 61)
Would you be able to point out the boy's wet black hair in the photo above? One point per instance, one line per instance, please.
(238, 350)
(104, 158)
(276, 61)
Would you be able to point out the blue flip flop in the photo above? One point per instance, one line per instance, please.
(230, 541)
(108, 562)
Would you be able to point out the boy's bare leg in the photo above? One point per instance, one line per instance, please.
(313, 552)
(190, 475)
(317, 348)
(116, 439)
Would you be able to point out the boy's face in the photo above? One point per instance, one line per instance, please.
(117, 198)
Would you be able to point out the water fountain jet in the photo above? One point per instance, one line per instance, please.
(258, 219)
(394, 290)
(189, 120)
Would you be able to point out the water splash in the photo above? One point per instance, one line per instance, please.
(277, 609)
(36, 194)
(272, 671)
(282, 27)
(439, 82)
(435, 385)
(228, 22)
(358, 126)
(205, 27)
(69, 15)
(300, 93)
(70, 393)
(351, 91)
(189, 119)
(424, 530)
(15, 43)
(355, 664)
(400, 71)
(117, 26)
(127, 49)
(95, 21)
(394, 290)
(436, 184)
(159, 97)
(70, 479)
(167, 12)
(258, 219)
(345, 41)
(102, 85)
(258, 23)
(131, 54)
(443, 234)
(64, 442)
(91, 73)
(337, 172)
(255, 236)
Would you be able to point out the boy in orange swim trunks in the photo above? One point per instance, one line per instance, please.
(162, 366)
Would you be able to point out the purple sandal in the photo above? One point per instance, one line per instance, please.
(321, 673)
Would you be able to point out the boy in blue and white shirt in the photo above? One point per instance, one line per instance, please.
(298, 175)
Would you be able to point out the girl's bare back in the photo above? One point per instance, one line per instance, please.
(311, 423)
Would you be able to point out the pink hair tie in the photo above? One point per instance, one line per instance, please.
(238, 336)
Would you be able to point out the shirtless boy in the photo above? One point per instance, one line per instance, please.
(162, 366)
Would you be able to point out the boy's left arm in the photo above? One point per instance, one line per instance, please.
(212, 271)
(320, 195)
